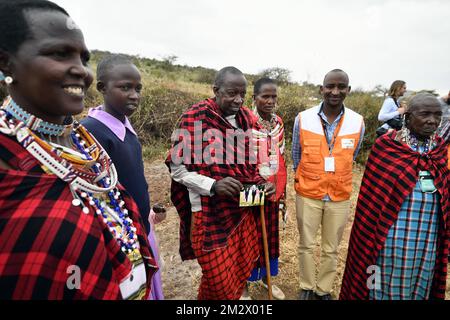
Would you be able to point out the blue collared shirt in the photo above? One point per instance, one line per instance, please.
(330, 128)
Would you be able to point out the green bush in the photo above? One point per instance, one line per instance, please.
(205, 76)
(159, 111)
(292, 100)
(367, 104)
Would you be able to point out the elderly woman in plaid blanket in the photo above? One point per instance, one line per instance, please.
(398, 247)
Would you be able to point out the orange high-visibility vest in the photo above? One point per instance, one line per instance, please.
(311, 179)
(448, 156)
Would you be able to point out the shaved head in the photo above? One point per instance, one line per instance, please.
(422, 100)
(220, 76)
(108, 63)
(334, 71)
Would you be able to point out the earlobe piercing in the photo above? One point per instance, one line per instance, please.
(8, 80)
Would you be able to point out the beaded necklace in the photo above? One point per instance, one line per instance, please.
(267, 139)
(270, 129)
(33, 122)
(411, 140)
(267, 125)
(89, 171)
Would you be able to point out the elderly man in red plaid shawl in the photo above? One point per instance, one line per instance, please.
(398, 247)
(208, 172)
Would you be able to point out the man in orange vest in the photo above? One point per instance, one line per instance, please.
(326, 140)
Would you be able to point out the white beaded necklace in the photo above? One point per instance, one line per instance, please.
(82, 190)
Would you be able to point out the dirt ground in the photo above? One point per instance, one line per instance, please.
(181, 279)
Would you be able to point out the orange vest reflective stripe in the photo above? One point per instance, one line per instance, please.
(311, 179)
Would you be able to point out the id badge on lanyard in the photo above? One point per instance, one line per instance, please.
(329, 164)
(329, 161)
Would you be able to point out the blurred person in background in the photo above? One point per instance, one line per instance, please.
(391, 111)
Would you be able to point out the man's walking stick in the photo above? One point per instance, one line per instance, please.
(266, 251)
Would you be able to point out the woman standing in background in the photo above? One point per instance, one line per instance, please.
(391, 112)
(269, 140)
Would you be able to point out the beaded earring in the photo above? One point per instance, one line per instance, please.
(403, 121)
(405, 130)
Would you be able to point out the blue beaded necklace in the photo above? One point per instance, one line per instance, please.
(33, 122)
(413, 142)
(127, 238)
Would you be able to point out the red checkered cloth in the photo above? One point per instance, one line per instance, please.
(43, 237)
(221, 215)
(390, 176)
(226, 270)
(271, 208)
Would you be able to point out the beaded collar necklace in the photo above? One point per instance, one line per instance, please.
(33, 122)
(414, 143)
(267, 125)
(270, 128)
(92, 182)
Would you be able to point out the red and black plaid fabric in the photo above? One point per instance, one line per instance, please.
(390, 176)
(225, 271)
(271, 208)
(44, 239)
(221, 215)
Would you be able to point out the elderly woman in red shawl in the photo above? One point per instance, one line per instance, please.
(398, 247)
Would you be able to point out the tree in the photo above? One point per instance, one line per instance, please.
(168, 62)
(380, 91)
(281, 75)
(170, 59)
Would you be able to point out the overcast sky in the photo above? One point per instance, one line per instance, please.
(375, 41)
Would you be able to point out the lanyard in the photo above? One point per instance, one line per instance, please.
(336, 132)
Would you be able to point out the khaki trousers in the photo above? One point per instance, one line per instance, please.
(311, 214)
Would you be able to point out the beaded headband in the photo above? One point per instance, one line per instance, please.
(33, 122)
